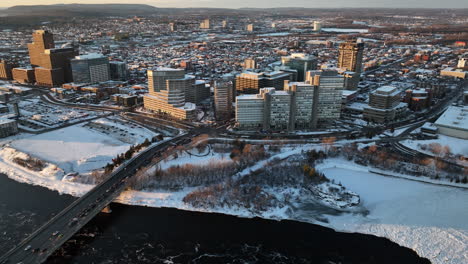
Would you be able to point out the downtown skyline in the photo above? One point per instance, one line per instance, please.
(260, 3)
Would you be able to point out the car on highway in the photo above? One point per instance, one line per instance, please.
(28, 247)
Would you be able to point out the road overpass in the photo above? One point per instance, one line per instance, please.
(53, 234)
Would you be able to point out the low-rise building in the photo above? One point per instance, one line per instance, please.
(8, 127)
(24, 75)
(454, 122)
(451, 72)
(384, 105)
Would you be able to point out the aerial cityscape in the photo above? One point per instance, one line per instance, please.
(213, 132)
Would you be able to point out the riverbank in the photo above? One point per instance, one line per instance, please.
(135, 234)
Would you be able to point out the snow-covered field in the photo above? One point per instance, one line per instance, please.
(428, 218)
(81, 148)
(456, 145)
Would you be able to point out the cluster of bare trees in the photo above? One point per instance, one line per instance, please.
(192, 175)
(382, 158)
(30, 163)
(121, 158)
(232, 195)
(254, 191)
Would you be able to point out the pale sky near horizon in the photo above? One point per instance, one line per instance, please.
(260, 3)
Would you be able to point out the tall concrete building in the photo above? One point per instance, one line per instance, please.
(205, 24)
(118, 70)
(197, 91)
(350, 56)
(330, 87)
(224, 24)
(250, 27)
(384, 105)
(301, 63)
(52, 65)
(167, 88)
(6, 70)
(317, 26)
(269, 109)
(90, 68)
(275, 110)
(252, 82)
(304, 103)
(173, 27)
(223, 97)
(250, 64)
(250, 111)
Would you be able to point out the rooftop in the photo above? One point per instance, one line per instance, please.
(90, 56)
(454, 117)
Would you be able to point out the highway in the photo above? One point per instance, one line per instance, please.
(43, 242)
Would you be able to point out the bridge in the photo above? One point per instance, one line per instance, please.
(53, 234)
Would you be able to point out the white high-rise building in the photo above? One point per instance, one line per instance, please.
(317, 26)
(330, 86)
(167, 89)
(304, 101)
(250, 111)
(277, 108)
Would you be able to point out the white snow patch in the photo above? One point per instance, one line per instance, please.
(428, 218)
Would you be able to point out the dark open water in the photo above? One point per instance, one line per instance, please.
(132, 234)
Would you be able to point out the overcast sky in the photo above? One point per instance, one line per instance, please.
(262, 3)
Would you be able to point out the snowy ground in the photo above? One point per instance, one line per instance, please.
(81, 148)
(428, 218)
(456, 145)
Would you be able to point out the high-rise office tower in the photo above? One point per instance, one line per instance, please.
(118, 70)
(167, 88)
(330, 86)
(90, 68)
(224, 24)
(173, 27)
(223, 96)
(301, 63)
(52, 65)
(205, 24)
(250, 27)
(304, 102)
(197, 91)
(350, 56)
(317, 26)
(250, 64)
(277, 109)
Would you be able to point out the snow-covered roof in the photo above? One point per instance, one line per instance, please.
(90, 56)
(247, 97)
(454, 117)
(6, 121)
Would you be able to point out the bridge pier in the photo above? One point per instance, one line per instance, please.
(107, 210)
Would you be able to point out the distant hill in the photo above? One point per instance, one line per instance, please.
(81, 10)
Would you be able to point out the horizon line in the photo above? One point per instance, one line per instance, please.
(232, 8)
